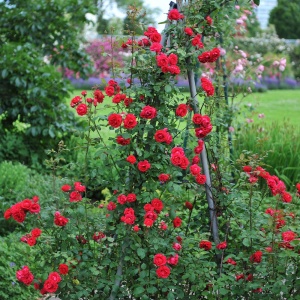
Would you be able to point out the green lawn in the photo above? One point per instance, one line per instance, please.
(276, 105)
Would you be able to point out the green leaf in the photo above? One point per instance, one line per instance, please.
(246, 242)
(257, 2)
(141, 253)
(168, 88)
(4, 73)
(139, 290)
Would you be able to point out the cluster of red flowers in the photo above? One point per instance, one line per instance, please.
(204, 123)
(209, 56)
(207, 86)
(30, 238)
(51, 283)
(168, 64)
(144, 166)
(163, 136)
(209, 20)
(129, 216)
(153, 35)
(175, 15)
(298, 189)
(76, 195)
(256, 257)
(122, 141)
(276, 186)
(60, 220)
(177, 222)
(196, 41)
(122, 199)
(19, 210)
(151, 210)
(160, 260)
(206, 245)
(115, 120)
(24, 275)
(178, 158)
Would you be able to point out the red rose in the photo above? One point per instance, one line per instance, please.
(63, 269)
(31, 241)
(150, 31)
(188, 205)
(288, 236)
(155, 37)
(197, 119)
(184, 163)
(131, 198)
(26, 204)
(201, 179)
(204, 57)
(148, 112)
(209, 20)
(160, 136)
(196, 160)
(98, 236)
(247, 169)
(195, 170)
(176, 246)
(136, 228)
(115, 120)
(122, 199)
(111, 206)
(175, 15)
(239, 277)
(207, 87)
(127, 101)
(162, 60)
(117, 99)
(81, 109)
(163, 272)
(144, 166)
(177, 222)
(66, 188)
(181, 110)
(110, 90)
(174, 70)
(173, 59)
(76, 100)
(60, 220)
(188, 31)
(156, 47)
(19, 216)
(25, 276)
(131, 159)
(54, 276)
(286, 197)
(206, 245)
(75, 196)
(130, 121)
(121, 141)
(214, 54)
(50, 286)
(157, 204)
(148, 207)
(231, 261)
(35, 208)
(159, 259)
(163, 177)
(7, 214)
(256, 257)
(148, 222)
(36, 232)
(150, 215)
(98, 95)
(222, 246)
(202, 132)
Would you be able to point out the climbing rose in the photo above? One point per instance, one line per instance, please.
(99, 97)
(222, 246)
(130, 121)
(156, 47)
(131, 198)
(144, 166)
(177, 222)
(173, 259)
(111, 206)
(121, 141)
(66, 188)
(181, 110)
(163, 177)
(76, 100)
(110, 90)
(81, 109)
(288, 236)
(60, 220)
(36, 232)
(256, 257)
(188, 31)
(131, 159)
(209, 20)
(157, 204)
(188, 205)
(159, 259)
(207, 87)
(148, 112)
(206, 245)
(175, 15)
(63, 269)
(163, 272)
(231, 261)
(24, 275)
(115, 120)
(177, 247)
(201, 178)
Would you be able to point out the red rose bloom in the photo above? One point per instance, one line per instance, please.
(75, 196)
(148, 112)
(63, 269)
(7, 214)
(201, 179)
(204, 57)
(36, 232)
(155, 37)
(173, 59)
(247, 169)
(81, 109)
(174, 70)
(231, 261)
(163, 272)
(25, 276)
(144, 166)
(188, 31)
(130, 121)
(222, 246)
(60, 220)
(66, 188)
(175, 15)
(110, 90)
(157, 204)
(214, 54)
(156, 47)
(131, 159)
(162, 60)
(286, 197)
(181, 110)
(207, 87)
(288, 236)
(188, 205)
(177, 222)
(209, 20)
(195, 170)
(111, 206)
(131, 198)
(256, 257)
(159, 259)
(122, 199)
(206, 245)
(176, 246)
(163, 177)
(76, 100)
(98, 95)
(173, 259)
(115, 120)
(148, 222)
(31, 241)
(50, 286)
(121, 141)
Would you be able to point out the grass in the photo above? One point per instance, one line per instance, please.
(277, 106)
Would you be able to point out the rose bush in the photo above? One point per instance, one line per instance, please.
(153, 238)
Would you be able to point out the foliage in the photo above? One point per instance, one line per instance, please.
(285, 16)
(12, 255)
(158, 237)
(295, 58)
(31, 90)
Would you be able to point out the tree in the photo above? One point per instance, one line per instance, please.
(32, 91)
(286, 19)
